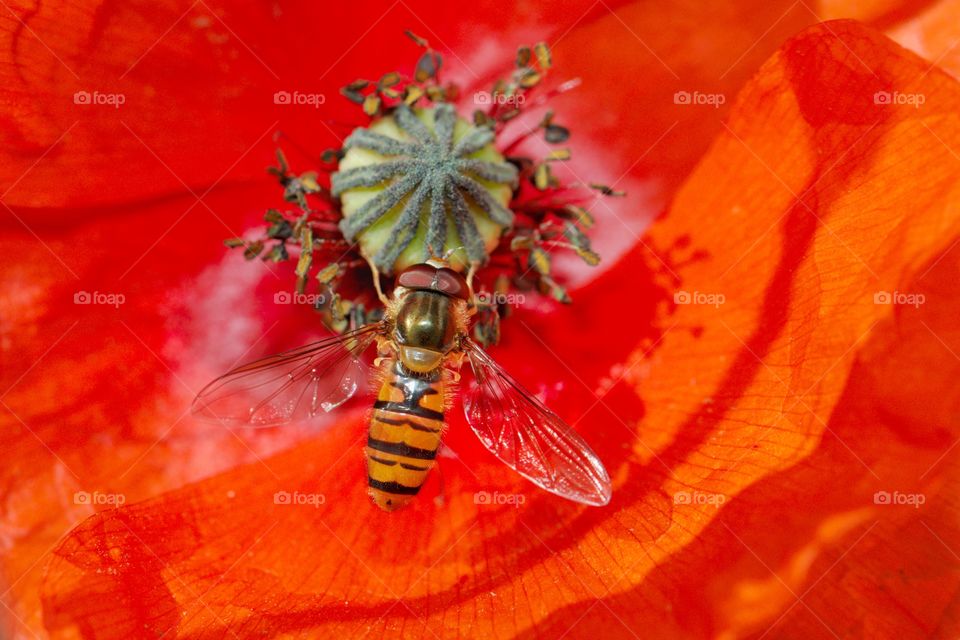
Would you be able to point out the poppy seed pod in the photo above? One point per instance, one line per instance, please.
(423, 182)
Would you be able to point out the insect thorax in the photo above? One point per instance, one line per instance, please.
(426, 327)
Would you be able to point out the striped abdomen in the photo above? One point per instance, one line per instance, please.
(405, 432)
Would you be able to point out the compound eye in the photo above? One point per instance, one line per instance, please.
(419, 276)
(451, 283)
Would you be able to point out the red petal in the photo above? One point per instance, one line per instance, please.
(804, 209)
(196, 85)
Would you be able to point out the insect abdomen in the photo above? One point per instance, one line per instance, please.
(405, 432)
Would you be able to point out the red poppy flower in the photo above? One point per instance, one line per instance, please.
(767, 372)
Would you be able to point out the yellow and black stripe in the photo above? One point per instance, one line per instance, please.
(405, 432)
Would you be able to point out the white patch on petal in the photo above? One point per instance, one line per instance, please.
(216, 319)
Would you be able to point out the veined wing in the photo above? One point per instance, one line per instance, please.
(293, 385)
(520, 430)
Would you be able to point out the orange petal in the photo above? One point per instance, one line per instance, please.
(633, 130)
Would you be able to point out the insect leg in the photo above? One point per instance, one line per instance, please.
(376, 280)
(472, 271)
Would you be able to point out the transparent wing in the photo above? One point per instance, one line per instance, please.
(288, 386)
(517, 428)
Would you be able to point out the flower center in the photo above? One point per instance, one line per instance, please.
(421, 183)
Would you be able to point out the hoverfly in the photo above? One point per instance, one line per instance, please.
(422, 341)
